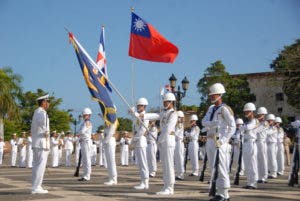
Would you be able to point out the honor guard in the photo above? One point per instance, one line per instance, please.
(220, 125)
(139, 142)
(40, 129)
(193, 147)
(54, 149)
(85, 132)
(93, 150)
(237, 138)
(22, 145)
(271, 146)
(110, 153)
(102, 158)
(14, 150)
(280, 149)
(152, 148)
(125, 141)
(68, 141)
(249, 146)
(262, 155)
(179, 147)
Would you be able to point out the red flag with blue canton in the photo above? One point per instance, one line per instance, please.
(148, 44)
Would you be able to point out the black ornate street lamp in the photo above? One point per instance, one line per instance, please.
(75, 121)
(178, 93)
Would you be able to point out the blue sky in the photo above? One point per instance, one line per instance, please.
(245, 35)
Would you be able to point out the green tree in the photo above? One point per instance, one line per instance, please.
(125, 124)
(237, 88)
(287, 63)
(10, 93)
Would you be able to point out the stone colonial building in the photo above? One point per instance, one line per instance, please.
(267, 87)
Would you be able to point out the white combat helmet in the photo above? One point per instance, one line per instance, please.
(194, 118)
(262, 110)
(278, 120)
(142, 101)
(239, 121)
(249, 107)
(169, 97)
(180, 114)
(216, 88)
(270, 117)
(87, 111)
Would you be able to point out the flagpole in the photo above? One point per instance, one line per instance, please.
(132, 87)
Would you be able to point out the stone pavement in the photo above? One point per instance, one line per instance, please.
(62, 186)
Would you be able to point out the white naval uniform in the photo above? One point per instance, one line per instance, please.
(54, 151)
(193, 148)
(22, 152)
(151, 150)
(85, 132)
(140, 144)
(166, 142)
(68, 149)
(221, 124)
(109, 144)
(271, 149)
(14, 152)
(179, 150)
(102, 158)
(250, 151)
(280, 151)
(2, 145)
(29, 152)
(262, 155)
(40, 146)
(60, 151)
(237, 136)
(124, 142)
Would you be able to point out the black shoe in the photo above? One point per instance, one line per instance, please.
(178, 178)
(260, 181)
(250, 187)
(271, 177)
(82, 179)
(219, 198)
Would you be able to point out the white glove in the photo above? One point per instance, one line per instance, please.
(218, 143)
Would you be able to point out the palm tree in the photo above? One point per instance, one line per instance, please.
(10, 94)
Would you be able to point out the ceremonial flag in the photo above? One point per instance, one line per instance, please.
(148, 44)
(92, 77)
(101, 58)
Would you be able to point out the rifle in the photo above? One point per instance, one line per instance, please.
(294, 174)
(231, 158)
(212, 190)
(76, 174)
(201, 178)
(237, 175)
(186, 153)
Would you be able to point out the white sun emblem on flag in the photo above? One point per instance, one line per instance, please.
(139, 25)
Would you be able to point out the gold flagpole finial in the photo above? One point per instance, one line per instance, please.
(102, 26)
(132, 9)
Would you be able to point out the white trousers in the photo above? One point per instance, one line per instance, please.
(262, 158)
(179, 158)
(102, 157)
(1, 156)
(236, 155)
(272, 161)
(22, 159)
(250, 160)
(93, 154)
(210, 148)
(193, 155)
(124, 155)
(13, 157)
(86, 159)
(141, 159)
(151, 157)
(280, 158)
(59, 156)
(167, 159)
(68, 157)
(77, 152)
(29, 157)
(39, 163)
(54, 154)
(110, 154)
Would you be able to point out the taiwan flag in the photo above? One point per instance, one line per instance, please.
(148, 44)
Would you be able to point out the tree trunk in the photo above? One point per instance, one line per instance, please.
(1, 127)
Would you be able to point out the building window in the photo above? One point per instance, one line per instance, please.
(279, 97)
(279, 110)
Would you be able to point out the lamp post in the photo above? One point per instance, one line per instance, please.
(178, 93)
(75, 121)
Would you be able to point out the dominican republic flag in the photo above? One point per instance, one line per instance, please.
(101, 58)
(148, 44)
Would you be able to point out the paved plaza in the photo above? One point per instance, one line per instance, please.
(62, 186)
